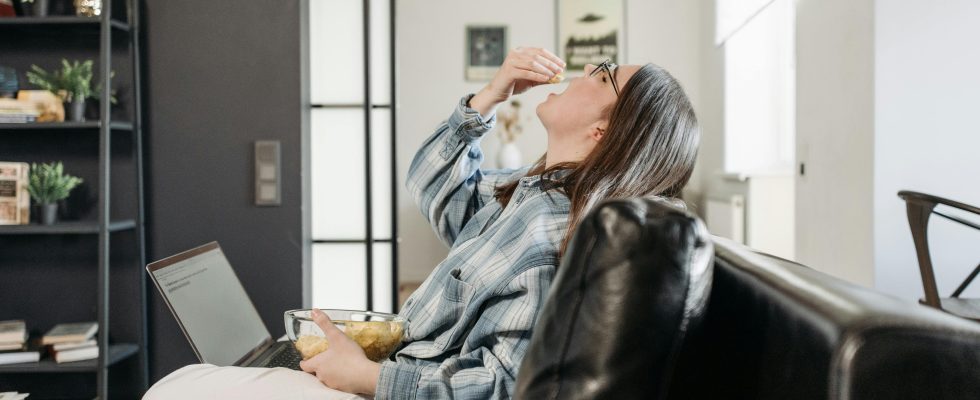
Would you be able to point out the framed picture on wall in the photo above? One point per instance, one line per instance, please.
(486, 48)
(590, 31)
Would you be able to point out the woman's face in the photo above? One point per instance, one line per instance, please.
(578, 111)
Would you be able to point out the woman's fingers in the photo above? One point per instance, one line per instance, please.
(541, 69)
(532, 76)
(553, 58)
(549, 64)
(325, 324)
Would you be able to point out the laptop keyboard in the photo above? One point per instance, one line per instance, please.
(288, 357)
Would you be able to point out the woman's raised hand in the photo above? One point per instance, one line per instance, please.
(524, 68)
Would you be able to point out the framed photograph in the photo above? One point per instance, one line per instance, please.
(590, 31)
(486, 48)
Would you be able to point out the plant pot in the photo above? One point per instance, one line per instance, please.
(48, 213)
(39, 8)
(75, 109)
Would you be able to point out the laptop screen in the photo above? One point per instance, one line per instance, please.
(210, 304)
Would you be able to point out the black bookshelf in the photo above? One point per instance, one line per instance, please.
(117, 353)
(92, 126)
(88, 266)
(61, 21)
(66, 228)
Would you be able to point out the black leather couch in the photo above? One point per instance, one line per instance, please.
(647, 305)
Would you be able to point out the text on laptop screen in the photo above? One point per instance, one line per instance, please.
(216, 313)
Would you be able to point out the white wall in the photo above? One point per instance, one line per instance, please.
(431, 48)
(927, 136)
(710, 181)
(835, 137)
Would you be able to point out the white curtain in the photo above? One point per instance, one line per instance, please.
(731, 15)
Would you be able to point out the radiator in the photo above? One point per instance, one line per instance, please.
(726, 217)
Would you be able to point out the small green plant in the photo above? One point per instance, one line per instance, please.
(48, 183)
(72, 83)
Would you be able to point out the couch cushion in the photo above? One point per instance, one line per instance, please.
(635, 278)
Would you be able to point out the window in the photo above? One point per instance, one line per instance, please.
(351, 155)
(760, 89)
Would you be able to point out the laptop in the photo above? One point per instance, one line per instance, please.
(214, 312)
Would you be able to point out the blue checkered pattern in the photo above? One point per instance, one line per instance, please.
(470, 321)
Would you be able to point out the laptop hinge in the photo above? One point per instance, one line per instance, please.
(256, 352)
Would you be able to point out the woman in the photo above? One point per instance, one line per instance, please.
(615, 132)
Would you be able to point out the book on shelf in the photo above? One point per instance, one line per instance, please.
(71, 332)
(17, 119)
(15, 201)
(29, 353)
(18, 111)
(5, 346)
(82, 353)
(73, 345)
(13, 331)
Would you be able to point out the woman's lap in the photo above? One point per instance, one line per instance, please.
(205, 381)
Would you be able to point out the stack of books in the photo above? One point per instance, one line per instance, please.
(13, 344)
(72, 342)
(15, 111)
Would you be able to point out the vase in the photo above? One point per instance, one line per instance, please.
(49, 213)
(76, 109)
(88, 8)
(509, 156)
(40, 8)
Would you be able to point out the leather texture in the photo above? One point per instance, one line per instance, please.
(775, 329)
(635, 278)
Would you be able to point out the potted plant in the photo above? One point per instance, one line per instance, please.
(48, 185)
(73, 84)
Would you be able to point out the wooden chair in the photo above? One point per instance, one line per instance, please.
(920, 207)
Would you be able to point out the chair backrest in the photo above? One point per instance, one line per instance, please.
(633, 282)
(919, 207)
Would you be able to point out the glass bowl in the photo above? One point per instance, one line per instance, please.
(378, 334)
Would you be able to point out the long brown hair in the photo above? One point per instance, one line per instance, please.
(649, 149)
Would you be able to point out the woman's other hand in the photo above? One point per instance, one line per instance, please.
(524, 68)
(343, 366)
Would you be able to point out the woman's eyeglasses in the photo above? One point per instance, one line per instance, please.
(610, 68)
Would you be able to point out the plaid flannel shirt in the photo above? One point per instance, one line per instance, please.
(470, 322)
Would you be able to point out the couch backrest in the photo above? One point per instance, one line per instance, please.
(779, 330)
(635, 279)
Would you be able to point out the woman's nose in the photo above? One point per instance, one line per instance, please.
(589, 68)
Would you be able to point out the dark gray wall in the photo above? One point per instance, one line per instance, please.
(219, 75)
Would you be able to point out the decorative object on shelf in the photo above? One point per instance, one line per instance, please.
(8, 82)
(7, 8)
(509, 155)
(590, 32)
(48, 185)
(15, 200)
(36, 8)
(48, 105)
(73, 84)
(88, 8)
(486, 47)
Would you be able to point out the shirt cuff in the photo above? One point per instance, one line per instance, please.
(472, 123)
(398, 381)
